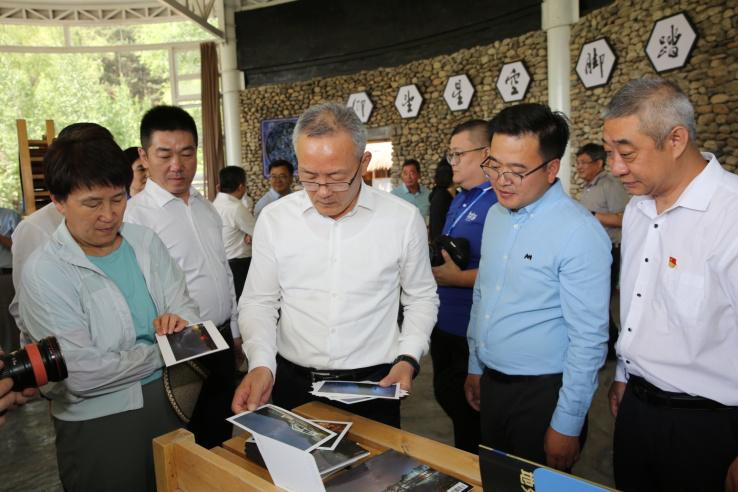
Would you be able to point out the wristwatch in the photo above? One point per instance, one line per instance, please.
(410, 360)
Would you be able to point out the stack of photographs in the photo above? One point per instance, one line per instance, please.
(350, 392)
(393, 472)
(284, 426)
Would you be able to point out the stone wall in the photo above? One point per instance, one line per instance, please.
(710, 78)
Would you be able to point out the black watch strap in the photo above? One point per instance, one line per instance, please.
(410, 360)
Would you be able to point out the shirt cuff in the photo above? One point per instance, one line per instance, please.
(567, 424)
(475, 367)
(262, 361)
(620, 374)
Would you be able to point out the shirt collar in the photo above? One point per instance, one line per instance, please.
(161, 196)
(421, 189)
(698, 193)
(228, 197)
(600, 175)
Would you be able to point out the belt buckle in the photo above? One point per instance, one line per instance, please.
(316, 376)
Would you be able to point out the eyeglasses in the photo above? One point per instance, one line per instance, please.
(583, 163)
(452, 156)
(493, 173)
(279, 177)
(336, 186)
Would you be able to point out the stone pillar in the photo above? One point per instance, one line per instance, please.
(557, 18)
(231, 78)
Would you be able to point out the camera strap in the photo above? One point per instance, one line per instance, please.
(466, 210)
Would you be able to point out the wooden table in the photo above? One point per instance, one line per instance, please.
(183, 465)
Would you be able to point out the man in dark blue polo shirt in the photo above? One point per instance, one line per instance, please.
(465, 219)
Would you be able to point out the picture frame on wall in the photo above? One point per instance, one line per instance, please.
(276, 142)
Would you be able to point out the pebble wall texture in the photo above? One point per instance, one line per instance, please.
(710, 79)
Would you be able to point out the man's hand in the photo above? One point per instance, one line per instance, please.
(254, 391)
(168, 323)
(562, 451)
(446, 274)
(402, 373)
(247, 240)
(615, 396)
(238, 352)
(472, 390)
(731, 480)
(10, 399)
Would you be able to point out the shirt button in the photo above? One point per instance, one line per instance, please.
(497, 287)
(630, 329)
(655, 226)
(638, 294)
(516, 226)
(486, 316)
(646, 260)
(504, 257)
(627, 362)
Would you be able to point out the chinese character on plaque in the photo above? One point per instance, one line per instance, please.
(361, 104)
(408, 101)
(596, 63)
(513, 81)
(458, 93)
(671, 42)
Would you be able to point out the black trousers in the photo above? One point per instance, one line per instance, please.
(213, 406)
(450, 356)
(292, 388)
(657, 448)
(516, 413)
(239, 269)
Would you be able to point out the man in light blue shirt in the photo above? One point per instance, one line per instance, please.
(280, 177)
(9, 220)
(538, 328)
(411, 190)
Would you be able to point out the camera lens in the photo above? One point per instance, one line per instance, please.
(34, 365)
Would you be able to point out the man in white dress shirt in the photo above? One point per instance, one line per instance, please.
(675, 395)
(330, 265)
(238, 223)
(190, 227)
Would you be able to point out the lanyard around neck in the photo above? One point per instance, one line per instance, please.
(466, 210)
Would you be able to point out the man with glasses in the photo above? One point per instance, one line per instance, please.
(465, 219)
(538, 328)
(280, 179)
(605, 197)
(329, 267)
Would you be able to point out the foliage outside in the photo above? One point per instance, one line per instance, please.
(112, 89)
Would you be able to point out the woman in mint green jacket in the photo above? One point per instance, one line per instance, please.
(103, 288)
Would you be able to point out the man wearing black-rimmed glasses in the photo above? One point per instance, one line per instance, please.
(538, 328)
(329, 267)
(468, 146)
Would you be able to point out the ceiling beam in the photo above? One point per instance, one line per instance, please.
(204, 8)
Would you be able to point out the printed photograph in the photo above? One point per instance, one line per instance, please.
(340, 428)
(192, 342)
(283, 426)
(352, 388)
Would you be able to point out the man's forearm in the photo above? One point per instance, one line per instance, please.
(6, 242)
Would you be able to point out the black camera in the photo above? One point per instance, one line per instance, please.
(34, 365)
(456, 247)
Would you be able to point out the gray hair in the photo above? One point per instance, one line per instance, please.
(659, 104)
(330, 118)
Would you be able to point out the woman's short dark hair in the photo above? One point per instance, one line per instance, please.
(230, 178)
(550, 127)
(85, 160)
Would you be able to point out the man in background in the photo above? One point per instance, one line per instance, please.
(280, 179)
(191, 229)
(238, 223)
(465, 219)
(605, 197)
(411, 190)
